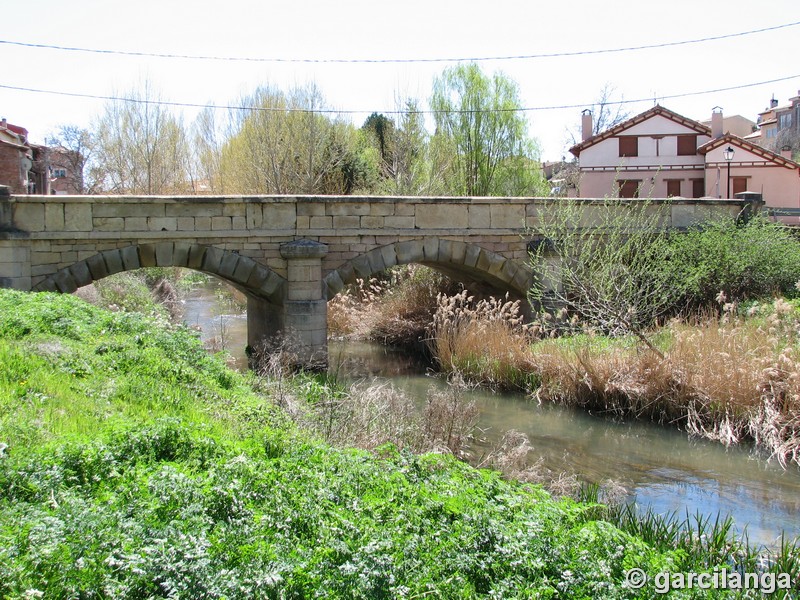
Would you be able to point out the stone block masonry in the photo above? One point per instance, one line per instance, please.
(288, 254)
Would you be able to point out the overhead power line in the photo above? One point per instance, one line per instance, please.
(142, 54)
(386, 112)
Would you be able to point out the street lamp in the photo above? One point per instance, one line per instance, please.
(727, 154)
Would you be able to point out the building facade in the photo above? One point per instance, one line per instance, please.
(752, 168)
(16, 158)
(34, 169)
(661, 154)
(779, 126)
(653, 154)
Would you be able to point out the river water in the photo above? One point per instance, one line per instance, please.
(660, 467)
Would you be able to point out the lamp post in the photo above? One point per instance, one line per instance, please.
(727, 154)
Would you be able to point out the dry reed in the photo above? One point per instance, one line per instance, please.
(395, 308)
(730, 380)
(482, 340)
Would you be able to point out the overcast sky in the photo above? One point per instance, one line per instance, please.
(357, 30)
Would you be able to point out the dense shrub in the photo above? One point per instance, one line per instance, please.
(753, 260)
(637, 273)
(96, 520)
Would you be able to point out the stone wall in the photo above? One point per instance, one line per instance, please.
(55, 232)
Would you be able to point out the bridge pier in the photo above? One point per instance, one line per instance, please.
(305, 310)
(301, 323)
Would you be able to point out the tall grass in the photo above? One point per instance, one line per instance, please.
(705, 540)
(481, 340)
(731, 380)
(368, 414)
(394, 308)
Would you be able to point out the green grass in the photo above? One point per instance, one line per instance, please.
(661, 339)
(138, 466)
(71, 368)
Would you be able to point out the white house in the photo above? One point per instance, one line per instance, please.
(661, 154)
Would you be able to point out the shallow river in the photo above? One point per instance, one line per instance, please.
(661, 467)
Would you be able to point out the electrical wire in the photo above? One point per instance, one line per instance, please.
(142, 54)
(385, 112)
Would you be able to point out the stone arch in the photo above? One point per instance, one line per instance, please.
(456, 259)
(252, 278)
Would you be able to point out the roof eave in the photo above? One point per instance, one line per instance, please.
(729, 138)
(640, 118)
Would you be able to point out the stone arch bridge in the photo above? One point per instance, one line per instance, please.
(288, 254)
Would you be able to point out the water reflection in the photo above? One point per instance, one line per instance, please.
(221, 325)
(661, 466)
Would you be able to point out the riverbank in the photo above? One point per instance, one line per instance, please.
(731, 377)
(136, 465)
(734, 379)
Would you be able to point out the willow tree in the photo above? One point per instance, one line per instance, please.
(285, 143)
(142, 146)
(207, 152)
(479, 118)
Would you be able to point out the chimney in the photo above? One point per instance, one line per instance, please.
(716, 122)
(4, 123)
(786, 152)
(773, 103)
(586, 124)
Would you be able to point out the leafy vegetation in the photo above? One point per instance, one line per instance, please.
(742, 261)
(292, 142)
(135, 465)
(637, 273)
(477, 116)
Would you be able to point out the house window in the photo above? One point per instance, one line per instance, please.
(629, 188)
(59, 172)
(628, 145)
(673, 187)
(738, 185)
(687, 145)
(698, 188)
(785, 121)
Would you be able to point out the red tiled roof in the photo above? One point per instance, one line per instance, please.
(17, 129)
(648, 114)
(735, 140)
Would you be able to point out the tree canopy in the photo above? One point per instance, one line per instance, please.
(142, 146)
(480, 119)
(292, 142)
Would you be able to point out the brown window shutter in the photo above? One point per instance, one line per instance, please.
(738, 185)
(673, 187)
(698, 188)
(687, 145)
(629, 188)
(628, 145)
